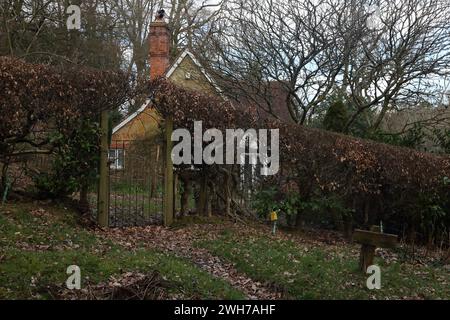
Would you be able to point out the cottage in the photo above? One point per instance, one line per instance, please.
(185, 71)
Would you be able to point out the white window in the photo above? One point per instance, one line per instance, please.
(116, 158)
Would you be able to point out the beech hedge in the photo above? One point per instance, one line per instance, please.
(392, 183)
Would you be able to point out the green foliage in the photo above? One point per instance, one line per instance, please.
(264, 201)
(413, 138)
(43, 109)
(441, 138)
(324, 211)
(75, 161)
(335, 113)
(291, 204)
(432, 218)
(272, 199)
(433, 211)
(336, 117)
(316, 210)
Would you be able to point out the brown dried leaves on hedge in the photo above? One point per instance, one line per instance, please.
(38, 95)
(330, 161)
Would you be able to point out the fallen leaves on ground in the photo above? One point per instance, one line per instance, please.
(128, 286)
(180, 242)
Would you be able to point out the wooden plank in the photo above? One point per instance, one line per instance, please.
(168, 175)
(103, 184)
(381, 240)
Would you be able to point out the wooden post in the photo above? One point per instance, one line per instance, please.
(370, 240)
(366, 256)
(168, 175)
(103, 184)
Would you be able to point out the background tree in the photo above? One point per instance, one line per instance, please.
(396, 62)
(384, 55)
(336, 117)
(37, 31)
(255, 43)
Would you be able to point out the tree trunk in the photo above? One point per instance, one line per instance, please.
(187, 189)
(227, 194)
(84, 201)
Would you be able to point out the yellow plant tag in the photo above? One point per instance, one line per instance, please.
(273, 216)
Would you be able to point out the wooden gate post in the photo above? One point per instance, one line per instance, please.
(168, 175)
(103, 184)
(175, 192)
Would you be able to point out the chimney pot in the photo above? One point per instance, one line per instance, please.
(160, 14)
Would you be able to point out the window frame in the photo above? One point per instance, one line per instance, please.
(117, 162)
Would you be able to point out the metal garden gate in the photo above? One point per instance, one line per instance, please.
(136, 183)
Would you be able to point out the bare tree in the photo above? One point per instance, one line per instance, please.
(188, 20)
(36, 30)
(380, 54)
(185, 19)
(397, 61)
(290, 44)
(135, 18)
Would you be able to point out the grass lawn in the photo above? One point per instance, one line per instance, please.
(324, 272)
(36, 247)
(38, 242)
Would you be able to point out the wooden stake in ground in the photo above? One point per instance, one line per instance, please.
(370, 240)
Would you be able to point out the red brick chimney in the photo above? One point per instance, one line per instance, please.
(159, 38)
